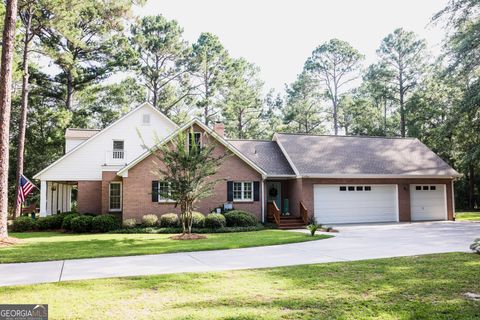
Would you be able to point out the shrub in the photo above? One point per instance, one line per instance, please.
(238, 218)
(130, 223)
(81, 224)
(215, 221)
(169, 220)
(67, 220)
(313, 226)
(198, 219)
(105, 223)
(149, 220)
(22, 224)
(50, 222)
(475, 246)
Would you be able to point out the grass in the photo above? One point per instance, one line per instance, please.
(44, 246)
(421, 287)
(467, 216)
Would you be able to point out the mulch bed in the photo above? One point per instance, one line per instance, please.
(186, 236)
(6, 242)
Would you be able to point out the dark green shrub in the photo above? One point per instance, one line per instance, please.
(169, 220)
(238, 218)
(81, 224)
(215, 221)
(105, 223)
(198, 219)
(67, 220)
(52, 222)
(22, 224)
(149, 220)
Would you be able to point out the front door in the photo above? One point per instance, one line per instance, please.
(274, 193)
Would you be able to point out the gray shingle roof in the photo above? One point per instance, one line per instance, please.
(265, 154)
(331, 155)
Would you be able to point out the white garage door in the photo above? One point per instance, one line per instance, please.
(428, 202)
(355, 203)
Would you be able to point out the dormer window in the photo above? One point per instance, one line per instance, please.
(118, 149)
(146, 119)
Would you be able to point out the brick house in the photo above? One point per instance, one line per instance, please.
(287, 180)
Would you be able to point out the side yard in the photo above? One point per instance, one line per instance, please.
(421, 287)
(468, 216)
(45, 246)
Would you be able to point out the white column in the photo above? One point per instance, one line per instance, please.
(43, 198)
(262, 198)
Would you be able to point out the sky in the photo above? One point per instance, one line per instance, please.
(279, 35)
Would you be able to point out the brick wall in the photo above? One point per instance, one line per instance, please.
(89, 197)
(137, 187)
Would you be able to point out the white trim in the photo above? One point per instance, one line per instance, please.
(445, 200)
(147, 104)
(454, 214)
(262, 198)
(397, 203)
(373, 176)
(169, 193)
(242, 191)
(121, 196)
(289, 160)
(196, 121)
(43, 198)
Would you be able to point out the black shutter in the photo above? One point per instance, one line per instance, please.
(154, 191)
(256, 191)
(229, 190)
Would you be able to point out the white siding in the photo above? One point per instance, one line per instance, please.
(72, 143)
(86, 161)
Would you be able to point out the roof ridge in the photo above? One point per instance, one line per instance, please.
(260, 140)
(343, 136)
(84, 129)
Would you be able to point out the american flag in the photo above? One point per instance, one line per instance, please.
(25, 188)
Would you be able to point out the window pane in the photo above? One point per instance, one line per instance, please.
(360, 188)
(115, 194)
(343, 188)
(247, 190)
(163, 190)
(368, 188)
(350, 188)
(433, 188)
(425, 187)
(418, 188)
(237, 190)
(117, 145)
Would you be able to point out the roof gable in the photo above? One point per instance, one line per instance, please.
(194, 121)
(102, 132)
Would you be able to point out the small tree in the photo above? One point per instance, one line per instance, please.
(188, 171)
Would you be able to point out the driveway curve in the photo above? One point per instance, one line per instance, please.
(359, 242)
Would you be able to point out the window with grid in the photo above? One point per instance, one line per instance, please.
(196, 140)
(115, 196)
(164, 191)
(118, 149)
(243, 191)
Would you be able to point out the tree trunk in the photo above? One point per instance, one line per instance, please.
(24, 109)
(385, 117)
(471, 187)
(69, 100)
(335, 117)
(155, 95)
(5, 106)
(402, 110)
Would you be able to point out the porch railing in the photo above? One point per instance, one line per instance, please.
(303, 213)
(273, 213)
(115, 157)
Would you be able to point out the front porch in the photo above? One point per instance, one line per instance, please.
(284, 204)
(57, 196)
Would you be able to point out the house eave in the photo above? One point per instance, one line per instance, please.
(376, 176)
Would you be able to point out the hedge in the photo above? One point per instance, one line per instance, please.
(81, 224)
(215, 221)
(238, 218)
(105, 223)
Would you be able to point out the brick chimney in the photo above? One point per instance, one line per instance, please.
(219, 128)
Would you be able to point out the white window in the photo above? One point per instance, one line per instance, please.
(146, 119)
(243, 191)
(164, 189)
(115, 196)
(196, 138)
(118, 149)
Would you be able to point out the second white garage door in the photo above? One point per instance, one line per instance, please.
(355, 203)
(428, 202)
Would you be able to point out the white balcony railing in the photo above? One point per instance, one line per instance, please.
(115, 157)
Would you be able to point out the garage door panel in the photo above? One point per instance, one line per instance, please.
(334, 206)
(428, 204)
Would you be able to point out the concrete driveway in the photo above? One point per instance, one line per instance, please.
(352, 243)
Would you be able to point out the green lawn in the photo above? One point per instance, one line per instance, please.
(43, 246)
(422, 287)
(467, 216)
